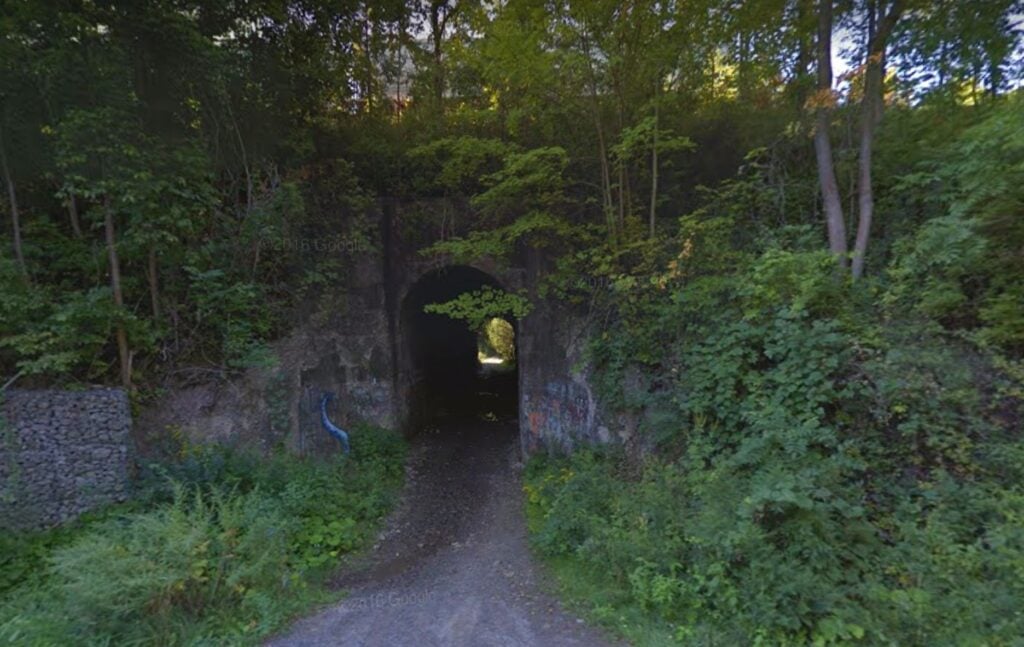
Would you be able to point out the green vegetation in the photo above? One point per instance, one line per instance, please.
(160, 218)
(683, 553)
(219, 547)
(827, 462)
(498, 339)
(804, 286)
(480, 308)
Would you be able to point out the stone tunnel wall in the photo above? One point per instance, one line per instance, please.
(62, 453)
(353, 343)
(559, 409)
(340, 344)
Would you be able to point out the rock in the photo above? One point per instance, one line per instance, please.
(63, 453)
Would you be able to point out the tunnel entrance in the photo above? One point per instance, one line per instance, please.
(455, 368)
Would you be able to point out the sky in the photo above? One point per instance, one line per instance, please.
(844, 38)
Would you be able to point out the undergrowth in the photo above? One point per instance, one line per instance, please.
(222, 547)
(811, 460)
(821, 473)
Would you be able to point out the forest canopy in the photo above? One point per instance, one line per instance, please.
(162, 161)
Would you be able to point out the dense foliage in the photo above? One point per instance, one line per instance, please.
(168, 206)
(805, 293)
(180, 175)
(220, 547)
(834, 462)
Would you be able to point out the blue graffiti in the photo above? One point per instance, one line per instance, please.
(332, 428)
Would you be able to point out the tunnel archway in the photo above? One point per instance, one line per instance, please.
(451, 369)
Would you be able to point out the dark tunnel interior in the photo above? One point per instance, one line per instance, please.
(452, 374)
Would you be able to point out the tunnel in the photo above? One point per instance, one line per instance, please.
(453, 370)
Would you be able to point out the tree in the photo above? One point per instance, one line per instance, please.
(649, 138)
(12, 205)
(439, 12)
(15, 93)
(823, 102)
(881, 22)
(101, 154)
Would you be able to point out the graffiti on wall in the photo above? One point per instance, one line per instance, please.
(558, 415)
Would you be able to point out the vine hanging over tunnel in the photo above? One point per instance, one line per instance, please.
(479, 306)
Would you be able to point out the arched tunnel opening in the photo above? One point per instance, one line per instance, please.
(458, 368)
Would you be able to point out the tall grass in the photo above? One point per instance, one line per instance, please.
(223, 547)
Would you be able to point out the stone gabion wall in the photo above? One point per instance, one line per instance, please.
(62, 453)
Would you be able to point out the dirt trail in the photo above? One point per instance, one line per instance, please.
(453, 567)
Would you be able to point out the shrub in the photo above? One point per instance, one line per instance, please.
(776, 559)
(221, 547)
(827, 470)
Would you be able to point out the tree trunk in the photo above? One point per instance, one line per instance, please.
(76, 223)
(620, 163)
(249, 199)
(622, 196)
(995, 77)
(606, 177)
(438, 21)
(368, 58)
(805, 52)
(12, 197)
(822, 143)
(654, 164)
(872, 105)
(154, 284)
(743, 84)
(124, 356)
(865, 191)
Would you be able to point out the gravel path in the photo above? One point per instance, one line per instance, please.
(453, 567)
